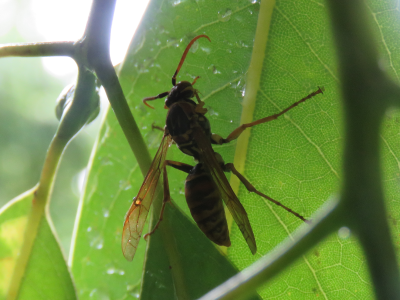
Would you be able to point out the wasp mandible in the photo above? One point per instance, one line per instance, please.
(206, 183)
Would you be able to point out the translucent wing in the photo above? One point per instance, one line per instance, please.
(137, 214)
(232, 202)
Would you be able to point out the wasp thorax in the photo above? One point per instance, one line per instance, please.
(180, 92)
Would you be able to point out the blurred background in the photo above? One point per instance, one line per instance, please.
(29, 88)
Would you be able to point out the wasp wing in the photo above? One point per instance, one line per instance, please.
(137, 214)
(228, 195)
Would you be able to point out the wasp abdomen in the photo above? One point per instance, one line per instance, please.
(205, 204)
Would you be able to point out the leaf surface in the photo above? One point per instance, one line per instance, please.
(295, 159)
(46, 275)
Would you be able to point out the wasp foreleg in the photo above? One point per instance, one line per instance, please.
(229, 167)
(199, 107)
(162, 95)
(216, 139)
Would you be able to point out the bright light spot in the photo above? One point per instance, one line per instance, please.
(8, 10)
(127, 17)
(60, 67)
(60, 20)
(66, 21)
(78, 182)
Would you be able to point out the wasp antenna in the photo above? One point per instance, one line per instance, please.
(184, 56)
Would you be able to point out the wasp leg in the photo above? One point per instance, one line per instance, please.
(166, 199)
(167, 196)
(229, 167)
(199, 107)
(162, 95)
(179, 166)
(194, 81)
(157, 127)
(216, 139)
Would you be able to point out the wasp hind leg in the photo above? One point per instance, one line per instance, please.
(167, 196)
(216, 139)
(229, 167)
(179, 166)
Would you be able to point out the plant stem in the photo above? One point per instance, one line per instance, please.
(35, 217)
(244, 284)
(97, 39)
(366, 94)
(38, 49)
(252, 88)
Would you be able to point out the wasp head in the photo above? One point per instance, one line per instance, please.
(182, 91)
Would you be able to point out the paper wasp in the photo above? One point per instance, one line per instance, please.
(206, 183)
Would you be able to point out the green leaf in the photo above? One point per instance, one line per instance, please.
(13, 217)
(295, 159)
(46, 276)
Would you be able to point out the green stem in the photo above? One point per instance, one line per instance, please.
(38, 49)
(97, 38)
(39, 206)
(252, 88)
(366, 94)
(246, 282)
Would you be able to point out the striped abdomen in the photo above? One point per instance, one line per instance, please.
(205, 204)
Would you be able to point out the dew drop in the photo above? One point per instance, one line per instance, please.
(212, 112)
(125, 185)
(214, 69)
(96, 241)
(133, 290)
(225, 16)
(176, 2)
(99, 245)
(241, 44)
(160, 285)
(344, 233)
(113, 270)
(173, 43)
(98, 295)
(206, 49)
